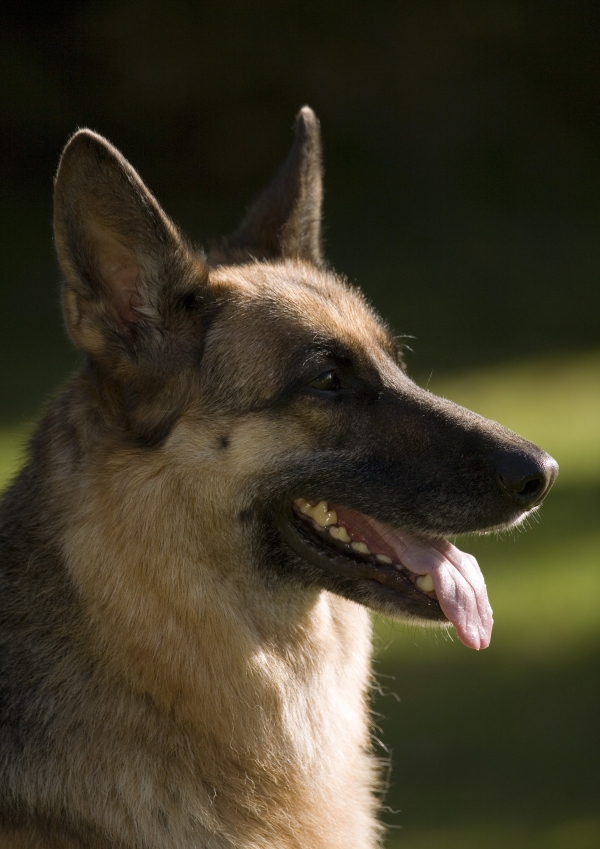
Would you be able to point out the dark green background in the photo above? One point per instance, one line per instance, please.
(461, 148)
(462, 144)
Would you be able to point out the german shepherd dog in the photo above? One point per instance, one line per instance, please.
(240, 472)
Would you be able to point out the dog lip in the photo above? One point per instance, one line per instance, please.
(397, 588)
(419, 564)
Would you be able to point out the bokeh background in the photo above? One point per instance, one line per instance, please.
(462, 150)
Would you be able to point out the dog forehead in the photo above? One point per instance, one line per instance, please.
(295, 302)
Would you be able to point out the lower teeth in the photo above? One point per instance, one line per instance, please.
(425, 583)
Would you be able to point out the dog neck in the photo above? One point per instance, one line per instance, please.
(262, 692)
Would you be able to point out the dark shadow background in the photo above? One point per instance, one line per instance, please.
(462, 144)
(461, 148)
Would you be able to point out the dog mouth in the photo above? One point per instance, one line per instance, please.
(421, 578)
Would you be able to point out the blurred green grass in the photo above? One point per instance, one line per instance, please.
(501, 747)
(12, 446)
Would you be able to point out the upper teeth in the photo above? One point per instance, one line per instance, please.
(320, 513)
(340, 533)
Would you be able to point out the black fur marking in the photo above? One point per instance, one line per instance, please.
(190, 301)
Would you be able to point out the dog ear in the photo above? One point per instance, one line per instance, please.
(285, 220)
(123, 260)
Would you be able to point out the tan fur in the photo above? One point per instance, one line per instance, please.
(173, 674)
(155, 555)
(283, 689)
(254, 718)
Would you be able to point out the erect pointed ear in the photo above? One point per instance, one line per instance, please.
(285, 220)
(123, 260)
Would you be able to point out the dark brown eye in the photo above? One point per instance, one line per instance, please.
(326, 382)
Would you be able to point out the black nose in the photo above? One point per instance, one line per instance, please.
(525, 477)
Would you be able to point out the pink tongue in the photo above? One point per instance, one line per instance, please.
(457, 578)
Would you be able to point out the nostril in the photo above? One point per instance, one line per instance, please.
(531, 487)
(525, 478)
(524, 488)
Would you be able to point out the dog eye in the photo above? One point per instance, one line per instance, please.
(327, 382)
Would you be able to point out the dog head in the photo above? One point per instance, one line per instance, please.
(280, 396)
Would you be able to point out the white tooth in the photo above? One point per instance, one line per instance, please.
(322, 515)
(303, 505)
(361, 547)
(383, 558)
(340, 534)
(425, 583)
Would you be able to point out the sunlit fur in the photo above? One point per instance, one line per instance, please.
(171, 701)
(171, 674)
(194, 708)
